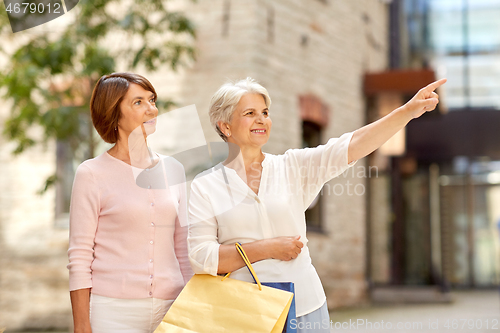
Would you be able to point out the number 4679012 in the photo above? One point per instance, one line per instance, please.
(32, 8)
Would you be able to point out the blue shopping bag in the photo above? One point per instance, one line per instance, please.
(287, 286)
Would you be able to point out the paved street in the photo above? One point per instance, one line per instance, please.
(471, 311)
(479, 310)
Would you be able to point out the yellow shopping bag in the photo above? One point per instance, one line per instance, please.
(169, 328)
(216, 304)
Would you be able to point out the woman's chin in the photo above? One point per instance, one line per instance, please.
(150, 129)
(260, 141)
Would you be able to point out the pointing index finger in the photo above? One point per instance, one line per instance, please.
(434, 85)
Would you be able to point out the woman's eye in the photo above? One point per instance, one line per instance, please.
(137, 102)
(152, 100)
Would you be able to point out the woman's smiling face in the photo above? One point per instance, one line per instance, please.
(250, 123)
(138, 108)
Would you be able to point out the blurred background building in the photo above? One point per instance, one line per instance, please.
(410, 222)
(443, 171)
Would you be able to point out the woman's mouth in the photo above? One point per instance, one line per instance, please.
(150, 122)
(258, 131)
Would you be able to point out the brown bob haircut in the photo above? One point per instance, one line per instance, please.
(106, 98)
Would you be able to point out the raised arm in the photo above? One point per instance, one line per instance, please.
(370, 137)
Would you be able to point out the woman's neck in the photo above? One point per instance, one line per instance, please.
(137, 154)
(243, 158)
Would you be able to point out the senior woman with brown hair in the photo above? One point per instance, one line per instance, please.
(127, 245)
(259, 199)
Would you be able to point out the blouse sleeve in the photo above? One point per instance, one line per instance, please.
(181, 231)
(203, 245)
(316, 166)
(84, 215)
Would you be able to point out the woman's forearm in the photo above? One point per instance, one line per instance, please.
(80, 304)
(230, 260)
(281, 248)
(368, 138)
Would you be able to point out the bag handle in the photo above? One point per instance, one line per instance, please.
(247, 262)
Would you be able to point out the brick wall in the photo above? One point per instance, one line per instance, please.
(292, 47)
(310, 47)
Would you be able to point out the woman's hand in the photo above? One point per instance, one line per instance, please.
(285, 248)
(370, 137)
(425, 100)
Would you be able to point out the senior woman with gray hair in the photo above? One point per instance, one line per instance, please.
(260, 199)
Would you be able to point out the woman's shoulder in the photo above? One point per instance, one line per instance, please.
(290, 159)
(211, 175)
(94, 166)
(277, 160)
(96, 161)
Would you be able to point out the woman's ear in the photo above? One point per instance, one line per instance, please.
(224, 128)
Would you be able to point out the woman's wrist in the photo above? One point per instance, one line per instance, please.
(82, 326)
(404, 114)
(267, 247)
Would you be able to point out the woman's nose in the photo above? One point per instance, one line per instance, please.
(152, 109)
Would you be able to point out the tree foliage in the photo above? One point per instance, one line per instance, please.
(49, 80)
(50, 76)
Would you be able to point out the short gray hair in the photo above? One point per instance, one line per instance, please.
(228, 96)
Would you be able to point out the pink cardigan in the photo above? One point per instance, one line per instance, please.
(128, 241)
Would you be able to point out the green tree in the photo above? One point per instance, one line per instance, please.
(50, 76)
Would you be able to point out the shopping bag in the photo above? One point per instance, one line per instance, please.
(288, 286)
(221, 304)
(169, 328)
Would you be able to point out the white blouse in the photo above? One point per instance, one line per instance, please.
(224, 210)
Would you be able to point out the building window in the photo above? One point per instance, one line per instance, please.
(314, 114)
(459, 38)
(311, 137)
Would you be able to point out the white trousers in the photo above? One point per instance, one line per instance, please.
(116, 315)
